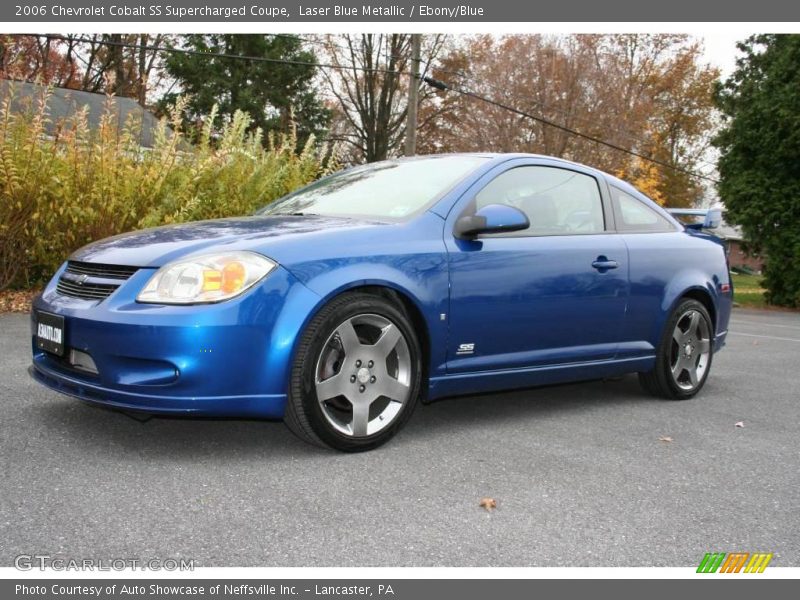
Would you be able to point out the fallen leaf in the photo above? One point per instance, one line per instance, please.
(665, 438)
(16, 300)
(488, 503)
(739, 424)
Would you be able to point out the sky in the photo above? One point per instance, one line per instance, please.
(721, 51)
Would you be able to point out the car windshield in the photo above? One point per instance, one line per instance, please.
(394, 189)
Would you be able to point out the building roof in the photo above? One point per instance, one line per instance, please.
(63, 103)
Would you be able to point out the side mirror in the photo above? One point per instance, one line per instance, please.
(492, 218)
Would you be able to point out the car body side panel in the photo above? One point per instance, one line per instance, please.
(663, 268)
(407, 258)
(458, 384)
(528, 301)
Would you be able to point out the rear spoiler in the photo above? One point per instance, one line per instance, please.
(712, 217)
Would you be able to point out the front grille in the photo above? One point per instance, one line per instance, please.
(90, 281)
(87, 291)
(98, 270)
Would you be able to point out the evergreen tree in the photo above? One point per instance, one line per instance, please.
(760, 157)
(274, 94)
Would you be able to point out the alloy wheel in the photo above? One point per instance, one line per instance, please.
(363, 375)
(690, 350)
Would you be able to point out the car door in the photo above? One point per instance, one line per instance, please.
(554, 293)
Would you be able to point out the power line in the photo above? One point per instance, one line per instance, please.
(429, 66)
(542, 105)
(435, 83)
(470, 79)
(186, 51)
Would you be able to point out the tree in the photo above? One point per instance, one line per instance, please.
(645, 93)
(126, 65)
(681, 115)
(370, 90)
(277, 96)
(759, 162)
(41, 59)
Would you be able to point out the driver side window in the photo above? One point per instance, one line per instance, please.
(556, 201)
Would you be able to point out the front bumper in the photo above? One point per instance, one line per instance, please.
(228, 359)
(265, 405)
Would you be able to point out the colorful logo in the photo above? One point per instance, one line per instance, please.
(734, 562)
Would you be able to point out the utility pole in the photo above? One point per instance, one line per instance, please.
(413, 95)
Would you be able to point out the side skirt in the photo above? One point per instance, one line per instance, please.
(459, 384)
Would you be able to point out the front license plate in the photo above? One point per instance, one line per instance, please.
(50, 332)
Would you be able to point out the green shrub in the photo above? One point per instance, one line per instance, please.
(61, 191)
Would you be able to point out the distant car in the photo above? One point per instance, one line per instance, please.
(340, 306)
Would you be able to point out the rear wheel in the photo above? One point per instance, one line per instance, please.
(683, 358)
(356, 376)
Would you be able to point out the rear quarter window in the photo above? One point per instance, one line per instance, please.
(631, 214)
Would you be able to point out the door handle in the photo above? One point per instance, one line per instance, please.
(602, 264)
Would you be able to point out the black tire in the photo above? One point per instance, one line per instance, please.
(304, 414)
(661, 382)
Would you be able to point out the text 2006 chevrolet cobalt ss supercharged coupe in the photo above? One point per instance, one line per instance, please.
(340, 306)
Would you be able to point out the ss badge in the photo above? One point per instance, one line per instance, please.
(466, 349)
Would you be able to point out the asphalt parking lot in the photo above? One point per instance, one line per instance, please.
(579, 474)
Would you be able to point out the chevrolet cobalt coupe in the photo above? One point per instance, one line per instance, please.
(340, 306)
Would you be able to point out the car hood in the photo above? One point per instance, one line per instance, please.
(264, 234)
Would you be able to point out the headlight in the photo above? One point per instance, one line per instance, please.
(208, 278)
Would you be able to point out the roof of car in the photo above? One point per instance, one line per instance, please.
(509, 156)
(613, 180)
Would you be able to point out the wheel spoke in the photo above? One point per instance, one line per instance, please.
(331, 387)
(692, 370)
(348, 337)
(678, 336)
(392, 388)
(703, 346)
(388, 340)
(360, 418)
(694, 321)
(678, 369)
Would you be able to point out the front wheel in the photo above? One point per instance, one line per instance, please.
(683, 358)
(356, 376)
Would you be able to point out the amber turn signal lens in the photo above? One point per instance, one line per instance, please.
(233, 277)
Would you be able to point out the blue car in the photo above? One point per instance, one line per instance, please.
(341, 306)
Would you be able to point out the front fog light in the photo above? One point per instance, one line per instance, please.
(206, 278)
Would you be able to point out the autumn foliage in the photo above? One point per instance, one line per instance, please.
(59, 192)
(645, 93)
